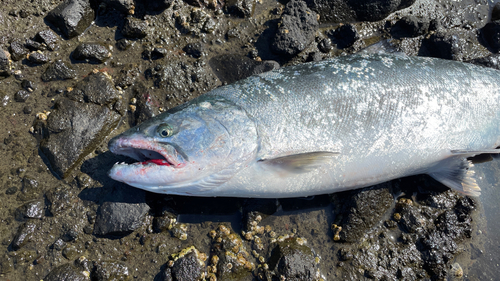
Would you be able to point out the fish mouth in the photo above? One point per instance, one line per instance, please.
(147, 152)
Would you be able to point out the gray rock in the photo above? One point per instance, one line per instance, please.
(495, 13)
(91, 52)
(23, 235)
(341, 11)
(231, 68)
(34, 45)
(492, 61)
(48, 38)
(58, 71)
(72, 17)
(135, 28)
(491, 35)
(110, 270)
(194, 49)
(240, 8)
(410, 26)
(17, 50)
(4, 63)
(297, 29)
(293, 261)
(66, 272)
(187, 268)
(124, 6)
(38, 57)
(30, 189)
(21, 96)
(97, 88)
(31, 210)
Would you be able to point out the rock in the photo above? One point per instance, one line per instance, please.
(495, 13)
(78, 124)
(66, 272)
(127, 76)
(135, 28)
(59, 199)
(297, 29)
(164, 221)
(490, 33)
(445, 45)
(194, 49)
(344, 36)
(21, 96)
(158, 5)
(30, 210)
(188, 264)
(38, 57)
(4, 63)
(410, 26)
(17, 50)
(341, 11)
(154, 53)
(24, 233)
(91, 52)
(58, 71)
(123, 213)
(110, 270)
(48, 38)
(123, 44)
(240, 8)
(325, 45)
(362, 210)
(30, 190)
(145, 104)
(492, 61)
(292, 260)
(231, 68)
(34, 45)
(71, 17)
(28, 85)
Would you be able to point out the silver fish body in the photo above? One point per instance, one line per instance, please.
(319, 128)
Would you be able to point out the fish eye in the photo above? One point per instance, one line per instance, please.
(165, 130)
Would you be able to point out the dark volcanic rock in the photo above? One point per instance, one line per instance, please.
(38, 57)
(4, 63)
(341, 11)
(30, 210)
(66, 272)
(47, 37)
(23, 235)
(91, 52)
(21, 96)
(187, 267)
(17, 50)
(492, 61)
(135, 28)
(447, 45)
(490, 33)
(297, 29)
(495, 13)
(58, 71)
(240, 8)
(110, 270)
(34, 45)
(344, 36)
(77, 125)
(72, 17)
(362, 210)
(292, 260)
(28, 85)
(231, 68)
(194, 49)
(124, 6)
(124, 212)
(410, 26)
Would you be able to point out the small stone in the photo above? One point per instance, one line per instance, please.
(91, 52)
(58, 71)
(5, 63)
(72, 17)
(17, 50)
(28, 85)
(48, 37)
(34, 46)
(38, 57)
(135, 28)
(194, 49)
(123, 44)
(345, 36)
(21, 96)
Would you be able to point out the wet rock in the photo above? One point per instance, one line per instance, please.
(127, 76)
(154, 53)
(410, 217)
(48, 38)
(38, 57)
(188, 264)
(111, 270)
(71, 17)
(91, 52)
(58, 71)
(124, 6)
(410, 26)
(344, 36)
(325, 45)
(21, 96)
(164, 221)
(27, 109)
(492, 61)
(240, 8)
(341, 11)
(123, 44)
(448, 45)
(231, 68)
(4, 63)
(495, 13)
(59, 199)
(144, 104)
(6, 264)
(135, 28)
(194, 49)
(28, 85)
(17, 50)
(30, 210)
(158, 5)
(490, 33)
(34, 45)
(291, 259)
(66, 272)
(77, 125)
(30, 189)
(24, 233)
(298, 26)
(362, 210)
(59, 244)
(122, 215)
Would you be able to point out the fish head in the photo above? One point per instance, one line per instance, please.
(185, 149)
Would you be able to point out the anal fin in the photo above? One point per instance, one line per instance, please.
(455, 172)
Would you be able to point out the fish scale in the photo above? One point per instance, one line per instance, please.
(327, 126)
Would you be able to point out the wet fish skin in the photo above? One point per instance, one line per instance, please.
(319, 128)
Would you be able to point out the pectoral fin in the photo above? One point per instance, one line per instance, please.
(455, 172)
(299, 163)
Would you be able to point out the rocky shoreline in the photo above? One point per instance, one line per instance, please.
(75, 73)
